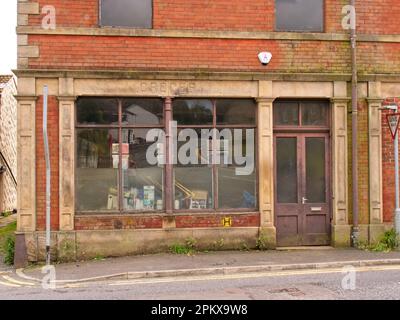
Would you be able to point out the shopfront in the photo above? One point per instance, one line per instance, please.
(229, 164)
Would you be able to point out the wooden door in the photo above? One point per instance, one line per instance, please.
(302, 197)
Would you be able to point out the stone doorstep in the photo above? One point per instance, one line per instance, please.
(222, 271)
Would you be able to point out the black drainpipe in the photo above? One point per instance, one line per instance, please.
(354, 110)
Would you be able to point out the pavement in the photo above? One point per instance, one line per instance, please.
(210, 264)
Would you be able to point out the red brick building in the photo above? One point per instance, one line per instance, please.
(117, 69)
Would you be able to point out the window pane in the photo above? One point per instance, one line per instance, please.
(193, 173)
(286, 162)
(236, 112)
(193, 112)
(236, 191)
(142, 112)
(236, 169)
(97, 111)
(299, 15)
(314, 113)
(315, 170)
(193, 188)
(286, 113)
(143, 183)
(97, 173)
(127, 13)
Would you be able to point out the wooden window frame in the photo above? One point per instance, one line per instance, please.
(168, 183)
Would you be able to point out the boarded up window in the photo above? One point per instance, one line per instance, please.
(126, 13)
(299, 15)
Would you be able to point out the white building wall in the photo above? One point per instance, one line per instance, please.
(8, 146)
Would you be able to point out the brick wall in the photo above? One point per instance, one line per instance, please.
(156, 222)
(374, 16)
(70, 13)
(41, 164)
(204, 221)
(111, 223)
(8, 146)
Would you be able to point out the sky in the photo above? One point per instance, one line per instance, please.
(8, 38)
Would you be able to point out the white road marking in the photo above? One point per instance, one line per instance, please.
(21, 274)
(9, 279)
(7, 284)
(250, 275)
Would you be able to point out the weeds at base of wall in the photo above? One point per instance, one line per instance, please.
(7, 242)
(188, 248)
(9, 249)
(261, 243)
(6, 214)
(390, 241)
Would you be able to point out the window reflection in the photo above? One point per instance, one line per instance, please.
(94, 164)
(142, 112)
(143, 183)
(193, 112)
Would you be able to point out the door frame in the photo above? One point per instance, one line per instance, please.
(309, 131)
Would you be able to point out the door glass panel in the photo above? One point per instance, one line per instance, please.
(286, 113)
(315, 170)
(314, 113)
(286, 154)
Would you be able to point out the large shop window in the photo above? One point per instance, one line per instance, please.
(213, 158)
(299, 15)
(126, 13)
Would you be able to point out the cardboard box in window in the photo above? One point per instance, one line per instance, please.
(199, 199)
(125, 148)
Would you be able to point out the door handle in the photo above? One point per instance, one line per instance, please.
(304, 200)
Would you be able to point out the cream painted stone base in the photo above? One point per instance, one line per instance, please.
(70, 246)
(376, 231)
(341, 235)
(267, 238)
(368, 234)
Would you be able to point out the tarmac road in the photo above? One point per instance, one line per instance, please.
(377, 283)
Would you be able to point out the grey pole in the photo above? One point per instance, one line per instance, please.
(48, 190)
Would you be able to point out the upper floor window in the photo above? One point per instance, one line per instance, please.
(299, 15)
(126, 13)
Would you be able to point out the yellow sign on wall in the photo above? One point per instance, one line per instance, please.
(227, 222)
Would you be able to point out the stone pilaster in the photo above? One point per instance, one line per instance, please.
(376, 227)
(26, 161)
(67, 152)
(266, 163)
(340, 222)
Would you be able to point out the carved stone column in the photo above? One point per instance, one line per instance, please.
(376, 227)
(67, 163)
(340, 222)
(266, 170)
(26, 190)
